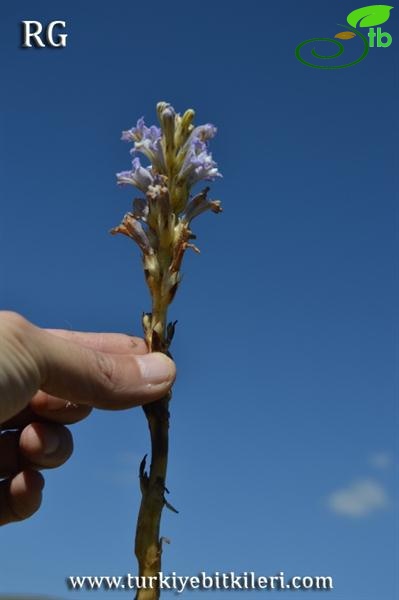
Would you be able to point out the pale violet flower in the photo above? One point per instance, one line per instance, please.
(139, 176)
(198, 163)
(204, 132)
(146, 140)
(141, 131)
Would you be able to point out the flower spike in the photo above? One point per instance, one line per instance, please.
(160, 224)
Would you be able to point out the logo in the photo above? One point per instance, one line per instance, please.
(32, 32)
(367, 17)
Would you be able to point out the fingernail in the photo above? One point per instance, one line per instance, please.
(156, 368)
(51, 442)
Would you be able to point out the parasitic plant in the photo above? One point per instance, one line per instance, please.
(160, 224)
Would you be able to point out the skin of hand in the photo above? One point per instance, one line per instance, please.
(51, 378)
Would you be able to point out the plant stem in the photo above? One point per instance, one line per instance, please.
(148, 545)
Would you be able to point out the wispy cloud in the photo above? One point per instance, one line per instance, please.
(359, 499)
(381, 460)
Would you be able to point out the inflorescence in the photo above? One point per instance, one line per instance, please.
(160, 221)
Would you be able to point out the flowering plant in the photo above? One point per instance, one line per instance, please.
(160, 224)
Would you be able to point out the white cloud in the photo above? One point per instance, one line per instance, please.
(381, 460)
(359, 499)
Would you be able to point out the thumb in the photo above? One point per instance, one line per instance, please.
(100, 379)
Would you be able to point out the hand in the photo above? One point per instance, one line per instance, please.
(49, 378)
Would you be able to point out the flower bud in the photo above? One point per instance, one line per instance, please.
(185, 128)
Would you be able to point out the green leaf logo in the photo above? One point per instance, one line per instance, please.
(368, 16)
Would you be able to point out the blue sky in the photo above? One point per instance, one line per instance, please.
(283, 418)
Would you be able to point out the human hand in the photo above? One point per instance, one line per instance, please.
(50, 378)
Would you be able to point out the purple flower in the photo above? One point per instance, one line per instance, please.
(193, 159)
(148, 141)
(141, 131)
(139, 176)
(198, 163)
(204, 132)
